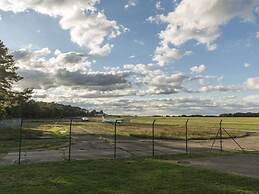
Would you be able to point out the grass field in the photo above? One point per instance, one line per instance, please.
(128, 176)
(35, 135)
(239, 123)
(46, 134)
(174, 127)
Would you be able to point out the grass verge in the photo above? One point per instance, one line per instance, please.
(127, 176)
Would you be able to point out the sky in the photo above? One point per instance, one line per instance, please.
(137, 57)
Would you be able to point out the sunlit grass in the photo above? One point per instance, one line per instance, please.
(127, 176)
(52, 134)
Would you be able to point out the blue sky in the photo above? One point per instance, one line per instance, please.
(136, 56)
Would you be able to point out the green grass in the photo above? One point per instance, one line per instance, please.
(164, 131)
(203, 127)
(166, 127)
(238, 123)
(35, 136)
(128, 176)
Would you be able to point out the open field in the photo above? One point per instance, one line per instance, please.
(35, 135)
(203, 127)
(238, 123)
(120, 176)
(47, 134)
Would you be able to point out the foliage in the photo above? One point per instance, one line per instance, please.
(239, 114)
(17, 104)
(46, 110)
(9, 76)
(33, 109)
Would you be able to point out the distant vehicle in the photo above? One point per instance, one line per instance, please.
(84, 119)
(111, 121)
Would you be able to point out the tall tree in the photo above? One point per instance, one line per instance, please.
(9, 76)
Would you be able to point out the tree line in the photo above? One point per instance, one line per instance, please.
(33, 109)
(15, 104)
(240, 114)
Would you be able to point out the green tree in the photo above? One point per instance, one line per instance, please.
(9, 76)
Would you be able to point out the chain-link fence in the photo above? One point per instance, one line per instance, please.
(39, 140)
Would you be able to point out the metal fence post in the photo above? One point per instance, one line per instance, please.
(115, 140)
(153, 138)
(20, 142)
(186, 136)
(221, 142)
(70, 140)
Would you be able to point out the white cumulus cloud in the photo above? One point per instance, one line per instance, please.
(88, 27)
(247, 65)
(252, 83)
(131, 3)
(159, 6)
(198, 69)
(165, 54)
(201, 20)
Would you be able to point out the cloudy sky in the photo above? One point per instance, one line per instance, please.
(137, 56)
